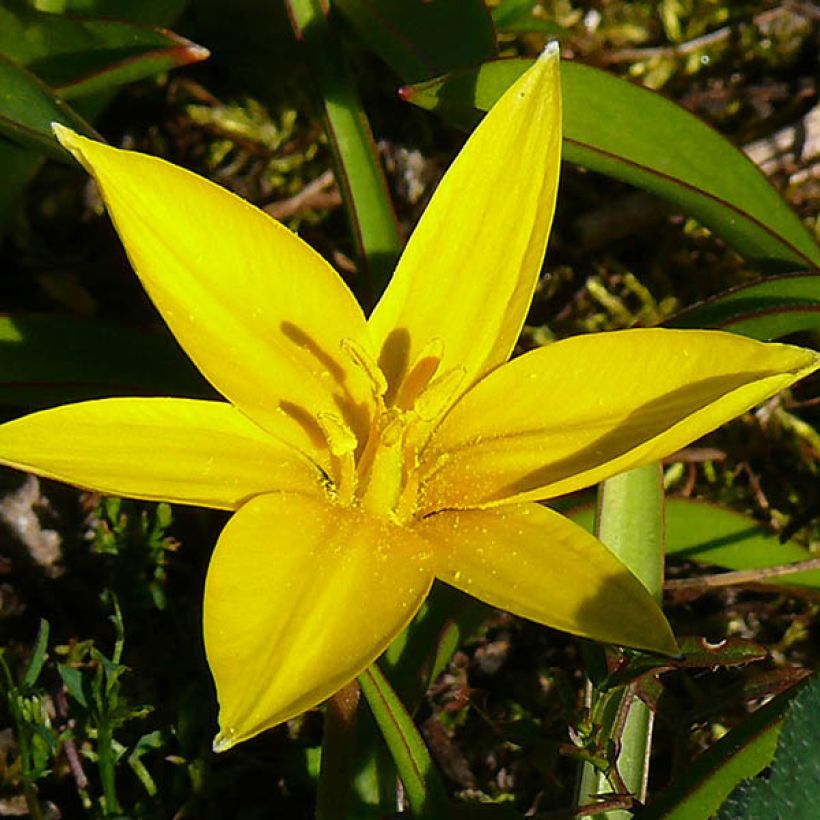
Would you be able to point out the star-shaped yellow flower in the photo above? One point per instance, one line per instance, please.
(365, 457)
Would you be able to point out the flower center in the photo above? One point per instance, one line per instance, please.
(380, 474)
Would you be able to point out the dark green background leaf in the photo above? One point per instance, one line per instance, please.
(765, 310)
(522, 16)
(48, 360)
(420, 40)
(78, 56)
(28, 107)
(699, 790)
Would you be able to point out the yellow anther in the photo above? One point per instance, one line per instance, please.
(362, 358)
(393, 431)
(438, 394)
(339, 437)
(342, 445)
(423, 369)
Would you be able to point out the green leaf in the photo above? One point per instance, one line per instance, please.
(147, 743)
(523, 17)
(791, 789)
(422, 785)
(699, 789)
(28, 107)
(74, 683)
(38, 656)
(18, 165)
(703, 532)
(375, 229)
(48, 360)
(78, 56)
(766, 310)
(420, 40)
(620, 129)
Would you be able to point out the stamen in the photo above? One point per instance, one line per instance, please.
(362, 358)
(437, 395)
(384, 475)
(342, 444)
(339, 437)
(423, 369)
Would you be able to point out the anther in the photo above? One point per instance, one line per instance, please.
(438, 394)
(342, 445)
(423, 369)
(339, 437)
(362, 358)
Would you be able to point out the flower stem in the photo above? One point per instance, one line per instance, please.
(338, 747)
(630, 523)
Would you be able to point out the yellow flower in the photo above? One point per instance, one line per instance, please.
(365, 457)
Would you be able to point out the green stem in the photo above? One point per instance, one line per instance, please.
(21, 728)
(106, 765)
(338, 748)
(360, 177)
(630, 523)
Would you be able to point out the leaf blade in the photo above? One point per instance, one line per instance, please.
(620, 129)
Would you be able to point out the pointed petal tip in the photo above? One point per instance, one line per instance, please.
(552, 50)
(69, 139)
(62, 132)
(225, 739)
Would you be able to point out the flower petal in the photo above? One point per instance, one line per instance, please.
(575, 412)
(302, 596)
(533, 562)
(180, 450)
(258, 311)
(469, 270)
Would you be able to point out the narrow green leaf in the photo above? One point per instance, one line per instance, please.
(422, 785)
(766, 310)
(419, 655)
(38, 656)
(28, 107)
(74, 683)
(635, 135)
(698, 790)
(48, 360)
(416, 39)
(790, 791)
(79, 55)
(360, 176)
(708, 534)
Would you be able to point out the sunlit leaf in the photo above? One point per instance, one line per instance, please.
(635, 135)
(708, 534)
